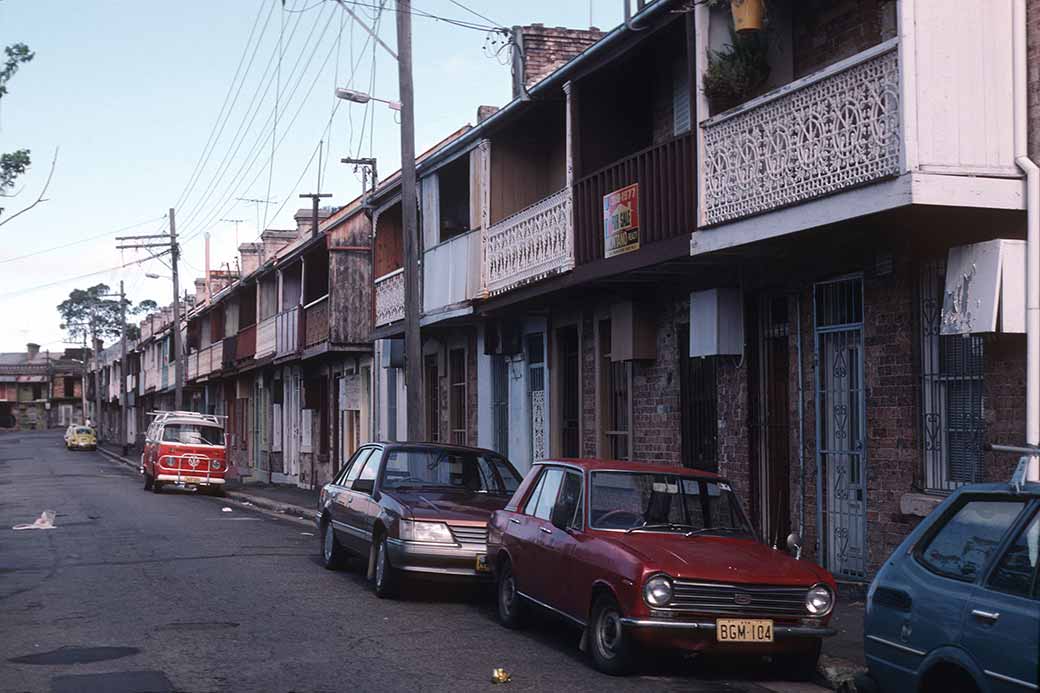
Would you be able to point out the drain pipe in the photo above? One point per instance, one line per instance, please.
(1032, 182)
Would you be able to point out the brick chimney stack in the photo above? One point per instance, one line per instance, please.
(33, 349)
(250, 254)
(541, 50)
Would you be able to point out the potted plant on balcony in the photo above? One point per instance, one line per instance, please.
(737, 72)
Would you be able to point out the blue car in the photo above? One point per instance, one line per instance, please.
(956, 608)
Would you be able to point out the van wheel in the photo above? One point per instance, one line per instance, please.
(512, 610)
(157, 486)
(613, 651)
(385, 576)
(147, 481)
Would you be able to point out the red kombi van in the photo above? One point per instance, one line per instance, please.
(185, 449)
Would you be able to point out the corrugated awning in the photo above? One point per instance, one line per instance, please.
(985, 288)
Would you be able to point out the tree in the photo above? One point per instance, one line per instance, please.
(14, 164)
(92, 312)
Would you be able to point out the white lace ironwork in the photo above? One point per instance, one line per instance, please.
(530, 245)
(827, 135)
(390, 298)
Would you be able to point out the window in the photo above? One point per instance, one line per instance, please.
(952, 421)
(550, 489)
(354, 464)
(391, 404)
(457, 375)
(698, 397)
(568, 506)
(440, 469)
(37, 391)
(453, 180)
(962, 546)
(69, 386)
(500, 402)
(192, 434)
(370, 471)
(1017, 571)
(532, 500)
(433, 400)
(615, 378)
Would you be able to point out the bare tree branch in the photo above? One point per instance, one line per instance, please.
(39, 198)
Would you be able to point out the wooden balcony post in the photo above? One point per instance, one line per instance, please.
(485, 212)
(573, 146)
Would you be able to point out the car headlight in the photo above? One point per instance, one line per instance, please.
(819, 600)
(658, 590)
(433, 532)
(214, 464)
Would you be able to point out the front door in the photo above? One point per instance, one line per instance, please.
(570, 392)
(841, 424)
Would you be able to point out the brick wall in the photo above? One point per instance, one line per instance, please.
(656, 424)
(1004, 401)
(588, 387)
(547, 48)
(826, 32)
(1033, 33)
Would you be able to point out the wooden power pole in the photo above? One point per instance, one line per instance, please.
(123, 399)
(409, 218)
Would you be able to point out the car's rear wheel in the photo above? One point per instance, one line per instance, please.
(385, 578)
(332, 553)
(613, 651)
(512, 610)
(798, 667)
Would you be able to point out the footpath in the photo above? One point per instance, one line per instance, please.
(840, 662)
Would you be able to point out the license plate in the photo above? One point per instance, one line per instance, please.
(482, 564)
(743, 630)
(192, 480)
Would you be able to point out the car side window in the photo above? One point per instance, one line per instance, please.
(1016, 573)
(962, 547)
(550, 491)
(356, 466)
(532, 500)
(370, 468)
(567, 512)
(357, 460)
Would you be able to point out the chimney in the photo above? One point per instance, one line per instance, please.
(200, 290)
(485, 112)
(540, 50)
(274, 240)
(303, 220)
(250, 254)
(33, 349)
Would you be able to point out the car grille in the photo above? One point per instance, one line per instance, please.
(715, 598)
(467, 534)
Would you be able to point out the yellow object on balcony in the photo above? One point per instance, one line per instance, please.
(748, 15)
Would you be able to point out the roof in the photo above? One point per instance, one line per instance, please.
(594, 464)
(434, 446)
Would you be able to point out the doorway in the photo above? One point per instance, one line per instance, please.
(570, 391)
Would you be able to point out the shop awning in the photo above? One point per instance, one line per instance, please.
(985, 288)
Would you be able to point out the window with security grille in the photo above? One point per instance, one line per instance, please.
(457, 375)
(952, 422)
(616, 379)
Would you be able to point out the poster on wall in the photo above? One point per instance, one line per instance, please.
(621, 221)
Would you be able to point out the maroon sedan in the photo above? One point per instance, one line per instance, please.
(655, 556)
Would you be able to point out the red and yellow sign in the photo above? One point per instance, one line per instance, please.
(621, 221)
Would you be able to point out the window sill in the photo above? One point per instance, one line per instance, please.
(919, 504)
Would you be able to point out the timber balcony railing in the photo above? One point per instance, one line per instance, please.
(832, 131)
(530, 245)
(245, 347)
(206, 360)
(390, 297)
(287, 331)
(265, 337)
(664, 174)
(316, 321)
(451, 272)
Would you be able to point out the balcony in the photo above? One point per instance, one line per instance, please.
(924, 117)
(316, 321)
(287, 332)
(265, 337)
(390, 297)
(451, 272)
(528, 246)
(245, 346)
(228, 350)
(210, 360)
(192, 360)
(665, 176)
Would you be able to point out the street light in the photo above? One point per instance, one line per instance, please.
(152, 275)
(362, 97)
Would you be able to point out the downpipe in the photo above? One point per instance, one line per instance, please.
(1032, 200)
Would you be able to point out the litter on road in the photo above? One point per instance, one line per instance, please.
(225, 509)
(44, 521)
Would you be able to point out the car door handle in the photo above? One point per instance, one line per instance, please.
(989, 616)
(514, 520)
(545, 529)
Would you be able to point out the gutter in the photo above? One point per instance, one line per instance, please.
(1032, 183)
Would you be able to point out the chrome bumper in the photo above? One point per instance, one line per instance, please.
(779, 630)
(437, 559)
(190, 479)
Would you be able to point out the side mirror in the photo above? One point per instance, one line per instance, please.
(794, 544)
(364, 486)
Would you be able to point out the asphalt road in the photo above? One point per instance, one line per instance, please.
(133, 591)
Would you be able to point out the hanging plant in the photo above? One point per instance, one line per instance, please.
(735, 73)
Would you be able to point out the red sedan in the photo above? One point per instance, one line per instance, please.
(654, 556)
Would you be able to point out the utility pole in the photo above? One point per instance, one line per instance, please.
(123, 399)
(97, 376)
(409, 218)
(83, 385)
(368, 167)
(169, 246)
(314, 210)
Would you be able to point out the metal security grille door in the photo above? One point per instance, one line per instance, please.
(500, 402)
(952, 420)
(536, 391)
(840, 425)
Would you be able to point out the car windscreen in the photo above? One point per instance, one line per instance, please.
(663, 502)
(83, 430)
(473, 472)
(192, 434)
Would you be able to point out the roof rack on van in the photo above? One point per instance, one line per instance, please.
(162, 415)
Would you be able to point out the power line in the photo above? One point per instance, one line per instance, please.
(81, 276)
(82, 240)
(474, 12)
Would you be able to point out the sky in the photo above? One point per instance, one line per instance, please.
(151, 105)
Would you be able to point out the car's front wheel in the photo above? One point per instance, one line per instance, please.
(613, 651)
(385, 578)
(512, 611)
(332, 553)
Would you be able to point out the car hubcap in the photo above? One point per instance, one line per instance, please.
(381, 564)
(608, 634)
(328, 543)
(508, 593)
